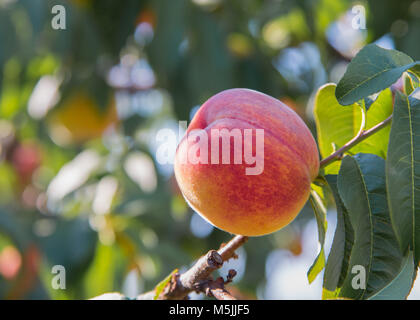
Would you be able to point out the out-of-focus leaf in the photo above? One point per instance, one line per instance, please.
(165, 49)
(72, 245)
(327, 11)
(7, 35)
(8, 179)
(10, 93)
(102, 277)
(123, 17)
(17, 229)
(280, 31)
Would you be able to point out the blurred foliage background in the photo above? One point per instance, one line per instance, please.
(80, 109)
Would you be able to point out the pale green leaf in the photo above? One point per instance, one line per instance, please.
(321, 219)
(335, 125)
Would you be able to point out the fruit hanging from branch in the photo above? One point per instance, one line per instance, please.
(246, 163)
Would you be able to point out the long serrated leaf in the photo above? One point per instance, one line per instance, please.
(339, 256)
(371, 70)
(321, 220)
(403, 171)
(361, 185)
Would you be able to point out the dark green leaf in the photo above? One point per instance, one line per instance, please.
(400, 286)
(338, 259)
(372, 70)
(361, 185)
(403, 171)
(72, 245)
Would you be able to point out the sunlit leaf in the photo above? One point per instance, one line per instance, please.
(335, 125)
(410, 83)
(321, 220)
(379, 110)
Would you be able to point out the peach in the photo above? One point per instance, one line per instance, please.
(228, 194)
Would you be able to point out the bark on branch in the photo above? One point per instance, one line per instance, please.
(199, 277)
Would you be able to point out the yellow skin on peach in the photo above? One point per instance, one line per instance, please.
(250, 205)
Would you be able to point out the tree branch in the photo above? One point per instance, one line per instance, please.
(227, 251)
(198, 277)
(217, 289)
(362, 135)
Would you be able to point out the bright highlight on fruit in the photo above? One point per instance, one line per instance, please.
(222, 193)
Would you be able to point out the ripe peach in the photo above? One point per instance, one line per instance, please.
(224, 194)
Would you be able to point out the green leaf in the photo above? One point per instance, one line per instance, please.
(409, 83)
(415, 70)
(17, 230)
(335, 125)
(161, 285)
(321, 220)
(338, 259)
(403, 171)
(361, 185)
(378, 111)
(371, 70)
(109, 261)
(368, 102)
(400, 286)
(72, 244)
